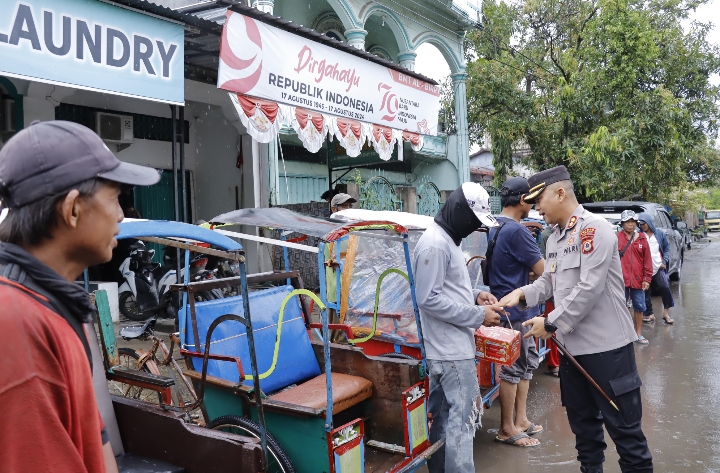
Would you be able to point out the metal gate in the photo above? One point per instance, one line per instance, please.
(428, 199)
(495, 204)
(378, 194)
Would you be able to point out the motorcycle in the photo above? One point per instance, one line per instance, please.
(146, 290)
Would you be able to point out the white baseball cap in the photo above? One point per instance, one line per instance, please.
(479, 201)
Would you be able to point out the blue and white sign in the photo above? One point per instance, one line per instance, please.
(92, 45)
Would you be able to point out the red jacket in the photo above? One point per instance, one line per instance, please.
(50, 419)
(637, 261)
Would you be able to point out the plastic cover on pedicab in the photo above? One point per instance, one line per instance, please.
(366, 260)
(473, 246)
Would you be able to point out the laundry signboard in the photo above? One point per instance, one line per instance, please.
(89, 44)
(262, 61)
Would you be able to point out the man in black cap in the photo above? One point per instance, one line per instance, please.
(584, 275)
(59, 186)
(513, 256)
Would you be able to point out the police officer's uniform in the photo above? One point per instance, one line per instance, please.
(583, 273)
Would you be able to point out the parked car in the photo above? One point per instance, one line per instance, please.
(682, 227)
(611, 211)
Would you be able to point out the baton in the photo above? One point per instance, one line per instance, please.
(565, 352)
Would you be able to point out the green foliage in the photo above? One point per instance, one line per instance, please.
(614, 89)
(713, 199)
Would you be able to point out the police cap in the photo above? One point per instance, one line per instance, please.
(539, 182)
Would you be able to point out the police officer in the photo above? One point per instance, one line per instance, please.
(583, 274)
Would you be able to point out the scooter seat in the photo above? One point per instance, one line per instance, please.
(132, 332)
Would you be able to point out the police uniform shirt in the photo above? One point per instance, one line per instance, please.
(583, 273)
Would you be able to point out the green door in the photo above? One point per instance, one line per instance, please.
(156, 202)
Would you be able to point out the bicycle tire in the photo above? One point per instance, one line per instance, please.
(278, 461)
(129, 358)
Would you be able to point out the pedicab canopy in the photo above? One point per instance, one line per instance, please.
(138, 229)
(284, 219)
(321, 88)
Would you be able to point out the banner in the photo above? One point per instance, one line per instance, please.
(88, 44)
(266, 62)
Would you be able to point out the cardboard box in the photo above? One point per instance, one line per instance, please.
(498, 344)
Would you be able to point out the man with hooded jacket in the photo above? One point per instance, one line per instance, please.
(450, 312)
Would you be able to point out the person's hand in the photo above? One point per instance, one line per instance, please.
(485, 298)
(512, 299)
(645, 286)
(538, 328)
(662, 266)
(493, 314)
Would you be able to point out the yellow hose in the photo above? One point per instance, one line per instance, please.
(377, 303)
(296, 292)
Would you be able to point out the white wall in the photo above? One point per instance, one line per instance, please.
(214, 155)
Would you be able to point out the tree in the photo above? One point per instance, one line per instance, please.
(614, 89)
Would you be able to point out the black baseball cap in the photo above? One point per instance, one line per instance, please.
(515, 186)
(539, 182)
(51, 157)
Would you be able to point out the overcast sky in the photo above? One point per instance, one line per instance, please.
(431, 63)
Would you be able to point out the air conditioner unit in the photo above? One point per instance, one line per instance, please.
(7, 115)
(112, 128)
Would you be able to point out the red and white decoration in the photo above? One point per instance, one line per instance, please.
(263, 120)
(260, 117)
(383, 139)
(311, 128)
(350, 134)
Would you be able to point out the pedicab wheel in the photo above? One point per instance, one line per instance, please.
(128, 358)
(278, 461)
(129, 307)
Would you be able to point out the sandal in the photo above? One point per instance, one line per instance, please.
(555, 373)
(642, 341)
(668, 320)
(649, 319)
(531, 430)
(513, 440)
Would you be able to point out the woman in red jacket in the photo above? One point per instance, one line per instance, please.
(637, 267)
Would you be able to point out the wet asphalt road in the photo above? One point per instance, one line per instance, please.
(680, 370)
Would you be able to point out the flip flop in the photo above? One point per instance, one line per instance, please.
(531, 430)
(554, 374)
(668, 320)
(513, 440)
(642, 341)
(649, 319)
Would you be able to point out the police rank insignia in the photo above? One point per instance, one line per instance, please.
(587, 234)
(572, 222)
(553, 267)
(587, 246)
(571, 240)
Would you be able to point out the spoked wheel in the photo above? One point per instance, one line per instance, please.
(128, 359)
(129, 308)
(278, 461)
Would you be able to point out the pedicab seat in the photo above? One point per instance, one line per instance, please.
(297, 378)
(347, 391)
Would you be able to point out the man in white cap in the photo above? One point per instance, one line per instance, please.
(450, 312)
